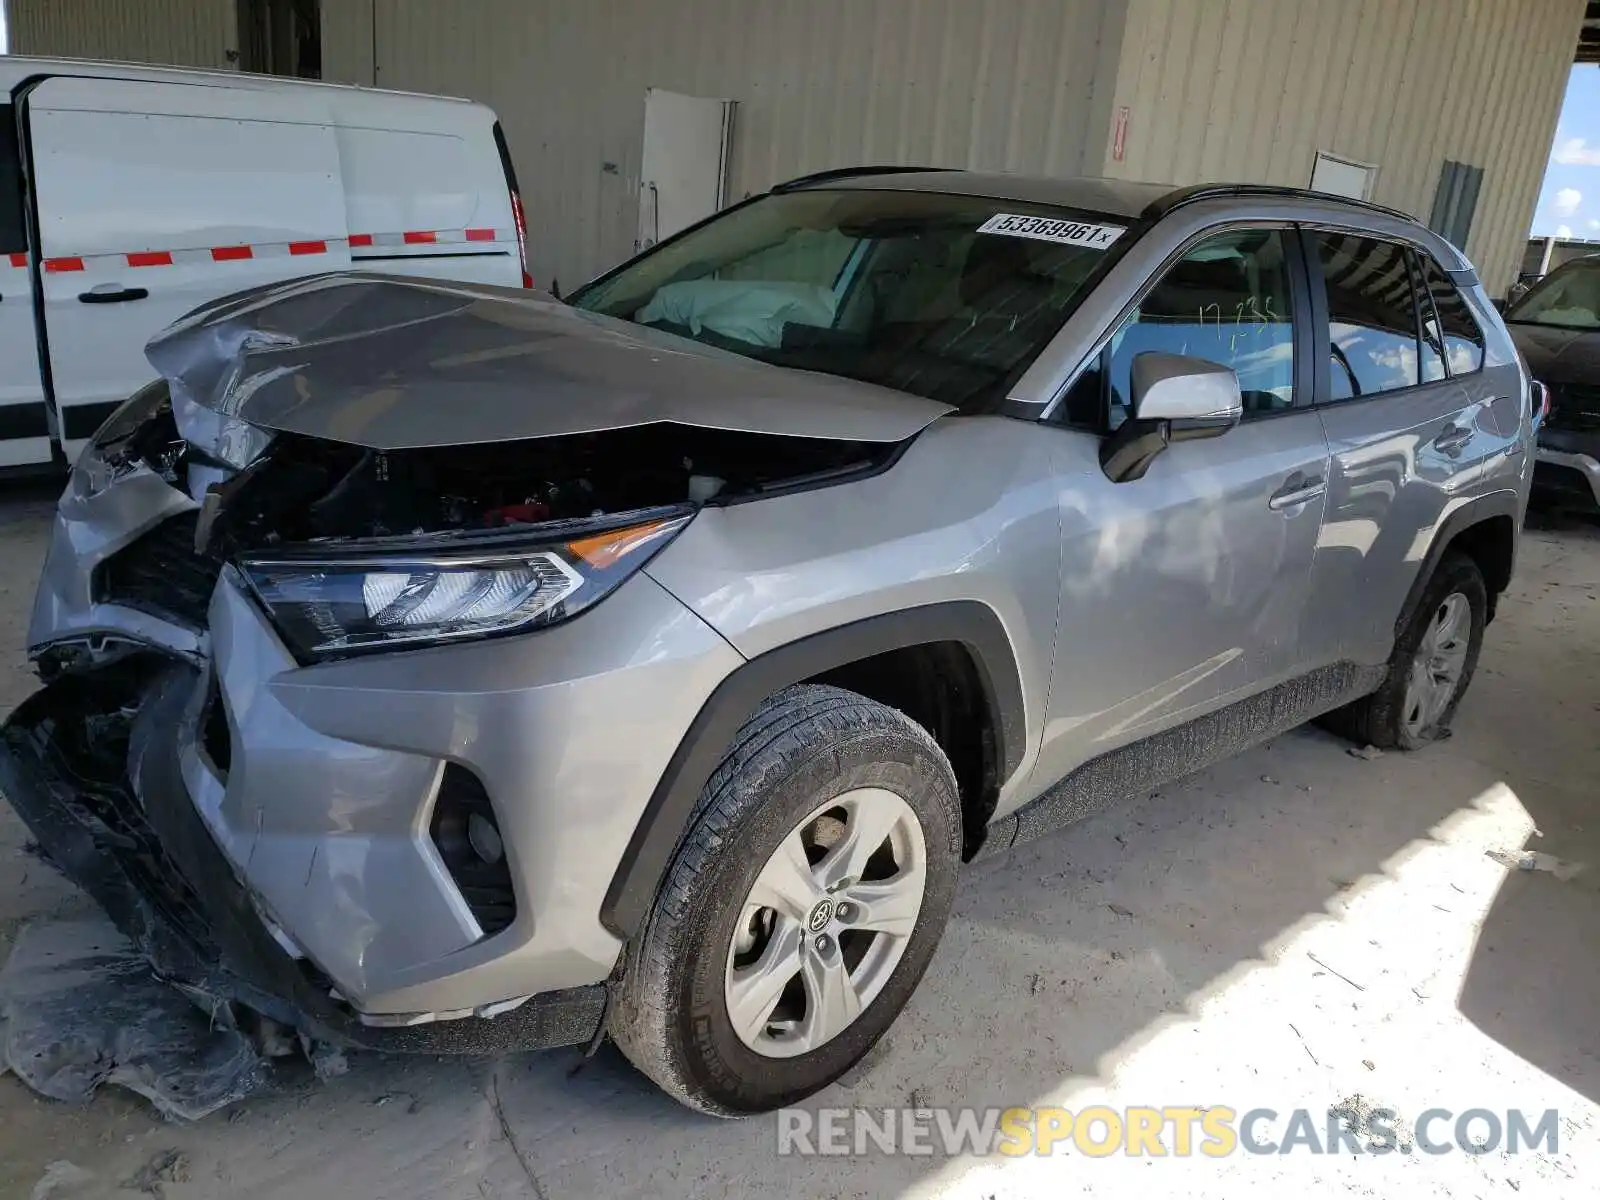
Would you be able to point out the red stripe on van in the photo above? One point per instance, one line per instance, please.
(19, 260)
(417, 237)
(308, 247)
(480, 235)
(150, 258)
(231, 253)
(360, 239)
(63, 264)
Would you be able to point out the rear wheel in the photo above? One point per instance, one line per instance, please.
(1432, 664)
(801, 909)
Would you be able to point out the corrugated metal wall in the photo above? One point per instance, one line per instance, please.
(186, 33)
(994, 84)
(1252, 89)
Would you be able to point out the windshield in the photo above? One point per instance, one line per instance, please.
(948, 297)
(1570, 299)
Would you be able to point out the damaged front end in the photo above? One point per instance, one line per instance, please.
(296, 738)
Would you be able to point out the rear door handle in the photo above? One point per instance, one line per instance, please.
(1296, 489)
(111, 294)
(1452, 438)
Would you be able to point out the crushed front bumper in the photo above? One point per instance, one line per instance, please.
(269, 833)
(155, 870)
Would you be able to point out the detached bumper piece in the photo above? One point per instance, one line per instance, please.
(91, 766)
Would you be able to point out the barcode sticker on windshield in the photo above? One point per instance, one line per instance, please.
(1053, 229)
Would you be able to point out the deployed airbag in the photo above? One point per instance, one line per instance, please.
(752, 311)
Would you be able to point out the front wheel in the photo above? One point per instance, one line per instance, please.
(801, 909)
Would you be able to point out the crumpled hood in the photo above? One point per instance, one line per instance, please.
(391, 363)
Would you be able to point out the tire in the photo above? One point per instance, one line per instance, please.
(805, 748)
(1389, 718)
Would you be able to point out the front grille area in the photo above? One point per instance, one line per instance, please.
(1575, 406)
(160, 574)
(78, 732)
(468, 839)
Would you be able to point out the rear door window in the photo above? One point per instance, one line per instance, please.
(1373, 335)
(13, 234)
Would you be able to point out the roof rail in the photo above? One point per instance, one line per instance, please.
(1207, 191)
(802, 181)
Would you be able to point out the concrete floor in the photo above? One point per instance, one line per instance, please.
(1296, 928)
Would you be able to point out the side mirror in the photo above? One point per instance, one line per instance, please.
(1175, 399)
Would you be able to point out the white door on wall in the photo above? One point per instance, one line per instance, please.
(1341, 176)
(684, 169)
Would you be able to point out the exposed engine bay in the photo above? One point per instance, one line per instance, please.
(309, 490)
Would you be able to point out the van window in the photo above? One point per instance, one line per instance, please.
(1372, 316)
(13, 235)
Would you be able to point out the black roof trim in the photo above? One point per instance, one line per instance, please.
(1208, 191)
(803, 181)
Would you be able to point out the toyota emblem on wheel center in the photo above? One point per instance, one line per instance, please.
(820, 916)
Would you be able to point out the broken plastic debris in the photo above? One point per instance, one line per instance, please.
(79, 1006)
(1536, 860)
(1367, 752)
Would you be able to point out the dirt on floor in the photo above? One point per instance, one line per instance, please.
(1300, 928)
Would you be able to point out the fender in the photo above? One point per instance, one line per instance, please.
(1473, 512)
(666, 817)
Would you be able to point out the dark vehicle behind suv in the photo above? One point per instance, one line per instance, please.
(1556, 326)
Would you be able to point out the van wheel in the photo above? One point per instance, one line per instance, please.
(1431, 666)
(801, 909)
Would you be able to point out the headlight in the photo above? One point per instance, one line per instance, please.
(334, 607)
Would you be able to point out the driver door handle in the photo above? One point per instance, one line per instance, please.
(1296, 489)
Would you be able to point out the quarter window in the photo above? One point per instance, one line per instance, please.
(13, 237)
(1432, 343)
(1228, 301)
(1373, 338)
(1463, 340)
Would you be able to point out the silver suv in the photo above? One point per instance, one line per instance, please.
(440, 667)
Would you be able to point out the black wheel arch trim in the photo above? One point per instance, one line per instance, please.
(666, 817)
(1474, 512)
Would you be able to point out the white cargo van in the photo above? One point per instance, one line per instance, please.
(130, 195)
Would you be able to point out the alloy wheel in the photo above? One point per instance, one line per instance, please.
(826, 923)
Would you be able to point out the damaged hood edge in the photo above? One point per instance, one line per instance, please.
(392, 363)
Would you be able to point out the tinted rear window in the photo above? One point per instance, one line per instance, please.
(1463, 340)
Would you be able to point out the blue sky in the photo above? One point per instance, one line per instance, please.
(1569, 203)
